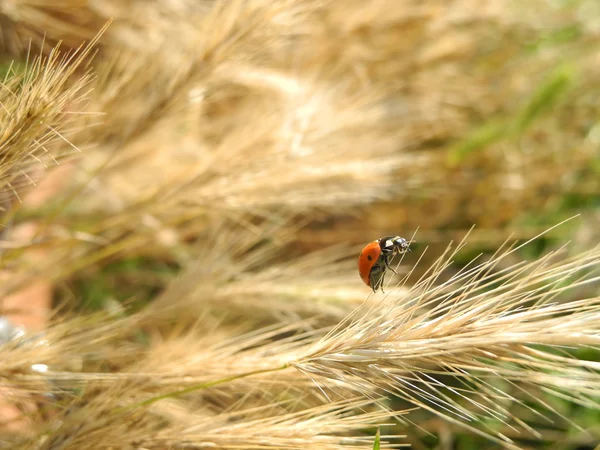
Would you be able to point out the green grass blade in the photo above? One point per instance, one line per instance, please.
(376, 444)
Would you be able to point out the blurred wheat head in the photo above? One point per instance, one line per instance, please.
(36, 114)
(217, 146)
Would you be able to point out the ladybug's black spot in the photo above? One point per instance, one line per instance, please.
(369, 257)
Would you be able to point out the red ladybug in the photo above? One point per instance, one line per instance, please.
(376, 257)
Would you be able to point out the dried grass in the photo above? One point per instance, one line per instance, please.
(249, 144)
(466, 349)
(39, 105)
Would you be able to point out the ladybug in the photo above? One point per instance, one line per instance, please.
(376, 257)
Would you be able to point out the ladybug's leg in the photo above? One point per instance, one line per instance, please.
(373, 281)
(382, 279)
(390, 268)
(376, 278)
(379, 282)
(387, 261)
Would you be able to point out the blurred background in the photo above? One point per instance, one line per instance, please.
(223, 163)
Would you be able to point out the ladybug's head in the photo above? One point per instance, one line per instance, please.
(395, 244)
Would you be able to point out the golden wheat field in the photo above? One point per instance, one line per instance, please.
(186, 186)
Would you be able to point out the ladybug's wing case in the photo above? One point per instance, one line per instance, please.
(367, 259)
(376, 257)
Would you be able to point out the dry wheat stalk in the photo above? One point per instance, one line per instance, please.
(39, 105)
(466, 349)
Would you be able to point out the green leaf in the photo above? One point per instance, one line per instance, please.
(376, 445)
(544, 98)
(481, 137)
(10, 69)
(566, 34)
